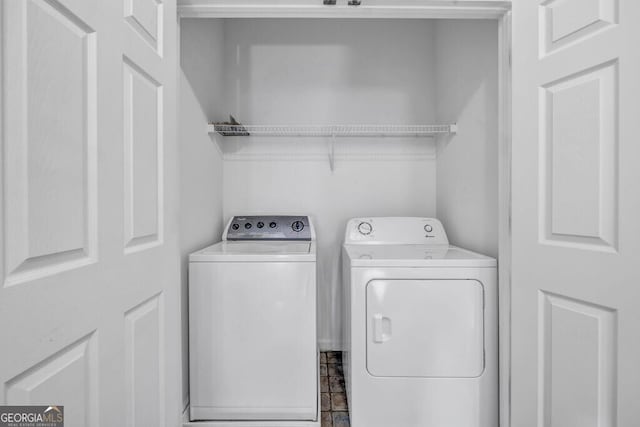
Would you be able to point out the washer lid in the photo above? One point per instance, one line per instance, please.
(256, 251)
(415, 256)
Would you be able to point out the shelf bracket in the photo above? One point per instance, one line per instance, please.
(332, 152)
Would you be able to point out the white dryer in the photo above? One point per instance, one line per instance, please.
(252, 325)
(420, 328)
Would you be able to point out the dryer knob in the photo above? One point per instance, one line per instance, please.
(297, 226)
(235, 226)
(428, 228)
(365, 228)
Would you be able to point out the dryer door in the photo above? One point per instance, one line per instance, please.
(425, 328)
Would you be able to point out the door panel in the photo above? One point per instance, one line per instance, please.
(577, 351)
(576, 97)
(564, 22)
(69, 376)
(89, 297)
(143, 158)
(578, 154)
(50, 156)
(425, 328)
(144, 369)
(146, 18)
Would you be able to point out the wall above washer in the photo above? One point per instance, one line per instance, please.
(318, 72)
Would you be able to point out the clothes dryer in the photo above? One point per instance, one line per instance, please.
(421, 327)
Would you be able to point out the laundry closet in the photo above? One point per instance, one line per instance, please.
(132, 132)
(346, 118)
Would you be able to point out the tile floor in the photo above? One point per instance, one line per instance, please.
(333, 396)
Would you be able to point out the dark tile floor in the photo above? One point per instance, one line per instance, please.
(333, 396)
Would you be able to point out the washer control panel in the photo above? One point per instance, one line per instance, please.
(276, 227)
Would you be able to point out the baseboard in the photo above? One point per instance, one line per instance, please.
(330, 345)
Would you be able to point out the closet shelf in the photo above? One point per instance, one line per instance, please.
(332, 130)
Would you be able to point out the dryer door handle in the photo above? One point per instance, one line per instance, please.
(381, 328)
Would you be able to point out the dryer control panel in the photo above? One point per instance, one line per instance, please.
(395, 231)
(269, 227)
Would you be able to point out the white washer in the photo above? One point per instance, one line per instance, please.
(420, 328)
(252, 322)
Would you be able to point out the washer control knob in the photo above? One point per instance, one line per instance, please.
(365, 228)
(428, 228)
(272, 225)
(235, 226)
(260, 224)
(297, 226)
(247, 225)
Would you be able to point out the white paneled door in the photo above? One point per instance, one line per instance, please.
(89, 262)
(576, 213)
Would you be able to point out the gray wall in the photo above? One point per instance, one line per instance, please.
(200, 160)
(467, 165)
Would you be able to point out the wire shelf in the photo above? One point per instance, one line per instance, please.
(332, 130)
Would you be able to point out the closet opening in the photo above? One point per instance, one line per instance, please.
(345, 118)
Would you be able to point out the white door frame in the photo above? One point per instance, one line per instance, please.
(504, 213)
(405, 9)
(470, 9)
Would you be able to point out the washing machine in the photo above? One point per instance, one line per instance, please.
(252, 323)
(420, 327)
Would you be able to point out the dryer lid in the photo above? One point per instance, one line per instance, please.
(414, 256)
